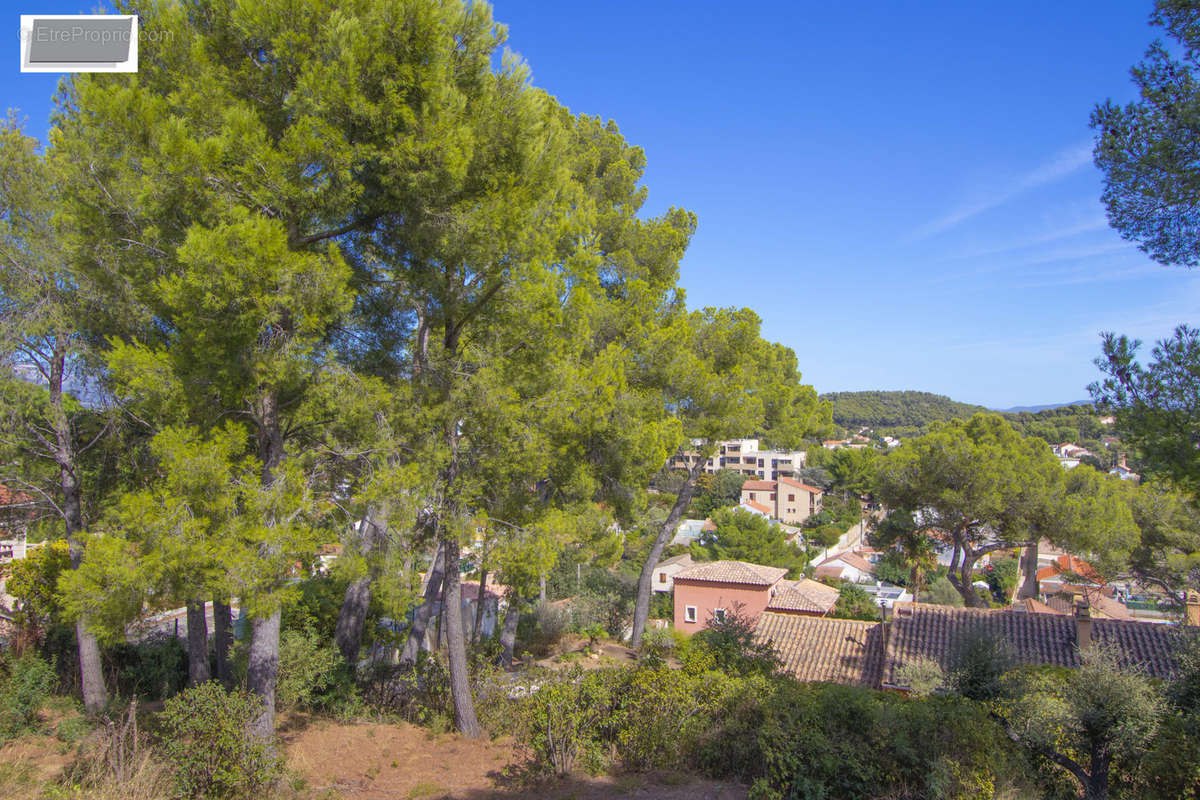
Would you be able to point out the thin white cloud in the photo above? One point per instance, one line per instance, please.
(1061, 166)
(1096, 223)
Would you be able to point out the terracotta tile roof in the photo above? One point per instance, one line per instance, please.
(683, 558)
(919, 631)
(829, 571)
(803, 596)
(758, 486)
(756, 506)
(851, 559)
(800, 485)
(823, 649)
(1032, 605)
(732, 572)
(1103, 606)
(1069, 563)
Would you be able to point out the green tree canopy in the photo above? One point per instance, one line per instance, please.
(742, 535)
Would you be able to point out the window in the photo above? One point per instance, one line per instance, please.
(772, 495)
(791, 497)
(719, 614)
(689, 613)
(752, 495)
(662, 577)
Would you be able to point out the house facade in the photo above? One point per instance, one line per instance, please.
(665, 572)
(788, 500)
(710, 590)
(744, 456)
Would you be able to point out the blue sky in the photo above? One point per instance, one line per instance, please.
(903, 191)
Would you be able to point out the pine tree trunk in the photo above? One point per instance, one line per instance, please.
(91, 671)
(1029, 588)
(641, 609)
(223, 640)
(353, 613)
(197, 643)
(508, 634)
(420, 623)
(483, 574)
(263, 670)
(460, 679)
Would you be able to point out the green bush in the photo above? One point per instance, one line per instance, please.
(72, 729)
(728, 645)
(206, 736)
(311, 675)
(155, 668)
(23, 692)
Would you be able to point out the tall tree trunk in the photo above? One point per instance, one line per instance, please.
(223, 640)
(460, 680)
(542, 588)
(483, 574)
(1029, 588)
(263, 670)
(1096, 787)
(91, 671)
(197, 639)
(508, 634)
(641, 609)
(420, 623)
(353, 613)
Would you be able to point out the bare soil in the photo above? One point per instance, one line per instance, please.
(367, 761)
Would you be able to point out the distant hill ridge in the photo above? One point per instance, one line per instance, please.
(906, 409)
(888, 411)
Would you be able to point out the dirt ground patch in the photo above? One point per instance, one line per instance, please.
(376, 762)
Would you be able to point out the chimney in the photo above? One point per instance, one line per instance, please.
(1192, 603)
(1083, 623)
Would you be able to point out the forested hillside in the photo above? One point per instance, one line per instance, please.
(907, 414)
(882, 411)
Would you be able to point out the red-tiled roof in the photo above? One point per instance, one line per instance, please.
(823, 649)
(851, 559)
(1031, 605)
(732, 572)
(1102, 604)
(1069, 563)
(758, 486)
(684, 559)
(829, 571)
(800, 485)
(757, 506)
(803, 596)
(919, 631)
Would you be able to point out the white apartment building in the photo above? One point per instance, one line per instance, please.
(743, 455)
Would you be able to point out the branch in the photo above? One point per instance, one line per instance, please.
(330, 234)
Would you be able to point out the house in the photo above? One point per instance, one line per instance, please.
(665, 572)
(888, 595)
(16, 511)
(788, 500)
(690, 530)
(1064, 570)
(848, 566)
(709, 590)
(919, 632)
(875, 654)
(823, 649)
(1122, 470)
(744, 456)
(326, 555)
(806, 597)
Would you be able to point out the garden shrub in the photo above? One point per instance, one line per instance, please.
(23, 692)
(155, 668)
(206, 736)
(549, 625)
(311, 675)
(417, 692)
